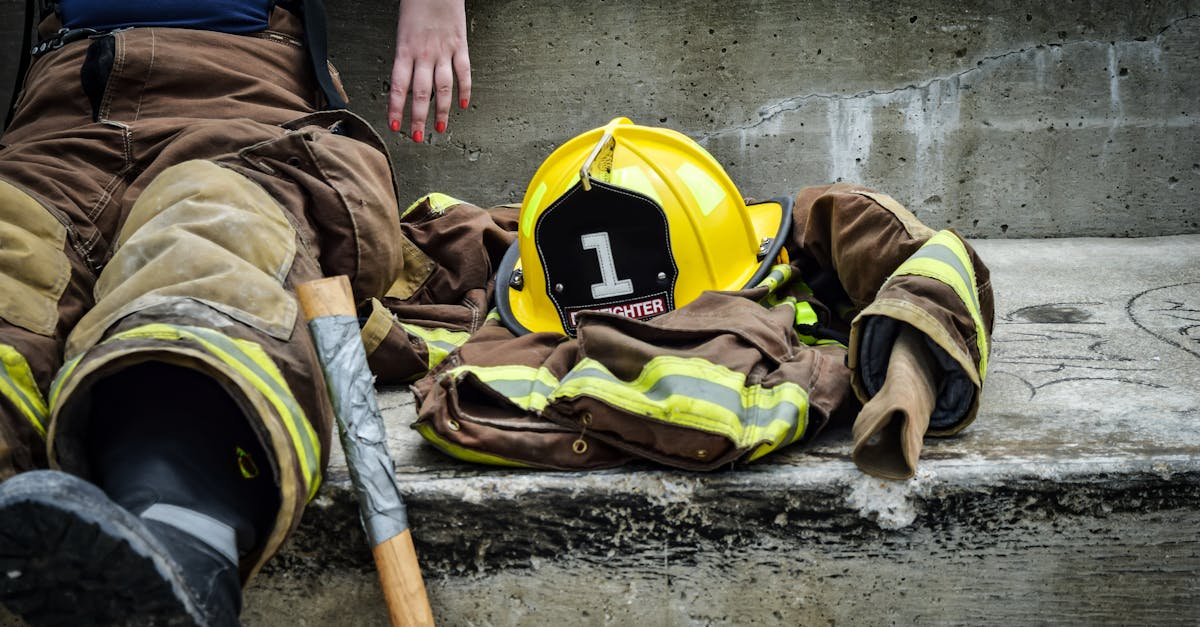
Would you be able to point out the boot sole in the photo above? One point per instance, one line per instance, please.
(70, 556)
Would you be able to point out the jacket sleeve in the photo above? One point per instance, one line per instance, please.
(442, 293)
(880, 268)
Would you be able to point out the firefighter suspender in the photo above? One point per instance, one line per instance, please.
(316, 31)
(23, 63)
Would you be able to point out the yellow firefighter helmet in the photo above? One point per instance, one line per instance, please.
(635, 221)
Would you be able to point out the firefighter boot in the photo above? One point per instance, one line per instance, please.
(889, 430)
(178, 500)
(70, 556)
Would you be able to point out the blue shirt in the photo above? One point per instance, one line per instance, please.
(227, 16)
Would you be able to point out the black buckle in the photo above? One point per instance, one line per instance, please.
(63, 37)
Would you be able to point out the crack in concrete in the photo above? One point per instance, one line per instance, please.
(794, 103)
(1175, 22)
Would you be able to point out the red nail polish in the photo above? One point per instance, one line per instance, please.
(395, 126)
(462, 104)
(418, 136)
(440, 126)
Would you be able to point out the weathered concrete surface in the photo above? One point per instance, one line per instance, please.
(1017, 119)
(1072, 499)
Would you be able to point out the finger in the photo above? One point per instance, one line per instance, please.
(462, 69)
(422, 86)
(398, 90)
(443, 78)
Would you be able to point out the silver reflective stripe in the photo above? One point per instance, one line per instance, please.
(214, 533)
(516, 390)
(943, 253)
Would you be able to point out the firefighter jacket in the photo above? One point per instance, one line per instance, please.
(729, 377)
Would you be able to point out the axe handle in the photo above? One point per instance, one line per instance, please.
(326, 297)
(400, 576)
(395, 558)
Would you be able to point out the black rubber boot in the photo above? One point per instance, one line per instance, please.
(71, 556)
(178, 498)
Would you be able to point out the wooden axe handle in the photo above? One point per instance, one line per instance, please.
(403, 587)
(395, 558)
(326, 297)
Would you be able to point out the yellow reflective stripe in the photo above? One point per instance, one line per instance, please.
(493, 315)
(697, 394)
(525, 386)
(250, 361)
(816, 341)
(64, 373)
(632, 177)
(805, 314)
(530, 207)
(944, 258)
(812, 341)
(19, 387)
(465, 454)
(707, 192)
(438, 203)
(438, 342)
(779, 275)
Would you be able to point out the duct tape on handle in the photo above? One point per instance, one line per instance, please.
(364, 440)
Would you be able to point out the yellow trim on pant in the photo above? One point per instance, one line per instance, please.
(250, 361)
(19, 387)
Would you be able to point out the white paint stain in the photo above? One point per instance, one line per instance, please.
(890, 504)
(851, 131)
(1046, 60)
(1114, 84)
(931, 116)
(1039, 67)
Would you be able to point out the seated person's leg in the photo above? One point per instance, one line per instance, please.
(164, 438)
(182, 498)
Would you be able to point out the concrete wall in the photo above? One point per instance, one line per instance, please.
(1002, 119)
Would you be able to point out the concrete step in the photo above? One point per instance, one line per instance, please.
(1072, 499)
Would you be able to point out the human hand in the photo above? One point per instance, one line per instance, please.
(431, 49)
